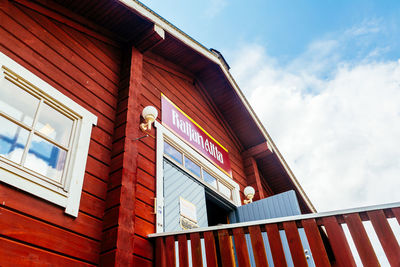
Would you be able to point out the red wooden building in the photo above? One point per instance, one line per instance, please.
(81, 182)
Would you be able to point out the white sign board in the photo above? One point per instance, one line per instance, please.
(188, 209)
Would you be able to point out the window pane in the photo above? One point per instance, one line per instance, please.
(17, 103)
(193, 167)
(13, 140)
(225, 190)
(172, 152)
(45, 158)
(209, 179)
(54, 125)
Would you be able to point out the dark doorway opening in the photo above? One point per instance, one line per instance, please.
(216, 213)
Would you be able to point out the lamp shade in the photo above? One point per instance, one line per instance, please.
(249, 190)
(150, 111)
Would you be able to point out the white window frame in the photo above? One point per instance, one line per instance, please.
(69, 194)
(162, 134)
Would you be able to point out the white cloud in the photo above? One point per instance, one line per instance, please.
(340, 134)
(365, 28)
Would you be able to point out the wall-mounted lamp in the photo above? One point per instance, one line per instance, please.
(249, 193)
(149, 114)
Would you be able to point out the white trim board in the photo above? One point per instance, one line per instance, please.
(163, 131)
(75, 170)
(164, 24)
(282, 219)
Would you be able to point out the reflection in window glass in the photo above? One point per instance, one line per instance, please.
(225, 190)
(22, 110)
(209, 179)
(193, 167)
(45, 158)
(197, 170)
(13, 139)
(54, 125)
(172, 152)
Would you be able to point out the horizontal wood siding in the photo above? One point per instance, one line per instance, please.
(161, 76)
(115, 83)
(86, 70)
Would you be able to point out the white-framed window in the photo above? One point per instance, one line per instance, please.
(172, 147)
(197, 169)
(44, 137)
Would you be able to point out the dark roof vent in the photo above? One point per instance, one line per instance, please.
(221, 57)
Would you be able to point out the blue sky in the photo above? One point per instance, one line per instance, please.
(323, 77)
(284, 28)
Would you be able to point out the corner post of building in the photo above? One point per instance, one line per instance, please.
(119, 217)
(253, 177)
(250, 157)
(128, 182)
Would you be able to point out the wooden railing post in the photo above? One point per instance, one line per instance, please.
(170, 251)
(337, 239)
(225, 248)
(396, 212)
(295, 246)
(197, 259)
(211, 253)
(160, 252)
(242, 253)
(275, 242)
(226, 245)
(316, 244)
(386, 236)
(183, 251)
(361, 240)
(257, 243)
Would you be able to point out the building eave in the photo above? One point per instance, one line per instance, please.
(211, 63)
(170, 28)
(152, 16)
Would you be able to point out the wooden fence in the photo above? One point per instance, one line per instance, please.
(327, 240)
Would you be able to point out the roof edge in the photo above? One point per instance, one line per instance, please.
(167, 26)
(270, 143)
(189, 41)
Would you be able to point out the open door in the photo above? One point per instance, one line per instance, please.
(189, 204)
(180, 187)
(280, 205)
(187, 201)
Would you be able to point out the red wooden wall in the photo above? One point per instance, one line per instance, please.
(115, 82)
(84, 65)
(133, 161)
(160, 76)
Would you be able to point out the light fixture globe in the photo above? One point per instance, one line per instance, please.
(150, 111)
(149, 114)
(249, 193)
(249, 190)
